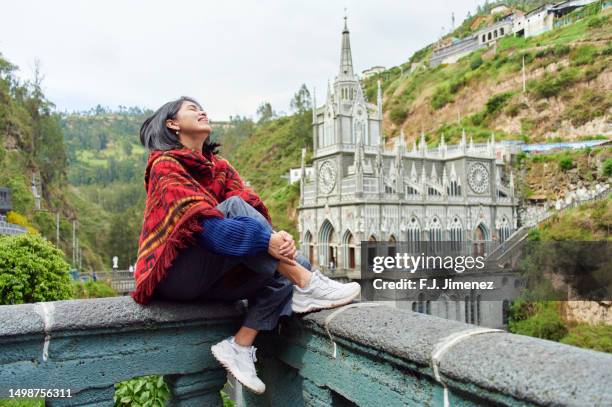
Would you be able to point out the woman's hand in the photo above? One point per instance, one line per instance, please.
(277, 240)
(288, 248)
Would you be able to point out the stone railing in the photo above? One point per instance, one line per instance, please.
(384, 357)
(89, 345)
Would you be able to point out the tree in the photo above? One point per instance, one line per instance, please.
(31, 270)
(265, 112)
(301, 100)
(127, 147)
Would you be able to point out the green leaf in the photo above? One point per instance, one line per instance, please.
(144, 397)
(138, 386)
(160, 381)
(126, 400)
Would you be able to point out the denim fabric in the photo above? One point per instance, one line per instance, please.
(200, 274)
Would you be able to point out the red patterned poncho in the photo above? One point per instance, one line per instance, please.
(183, 186)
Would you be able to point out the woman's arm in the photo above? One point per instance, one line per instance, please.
(239, 236)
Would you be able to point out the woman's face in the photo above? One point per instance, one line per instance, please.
(190, 119)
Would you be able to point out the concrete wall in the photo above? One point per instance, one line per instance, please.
(383, 357)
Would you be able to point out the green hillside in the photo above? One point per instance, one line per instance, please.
(568, 95)
(267, 155)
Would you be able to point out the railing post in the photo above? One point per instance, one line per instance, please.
(197, 389)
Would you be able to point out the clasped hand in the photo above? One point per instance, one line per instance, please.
(282, 247)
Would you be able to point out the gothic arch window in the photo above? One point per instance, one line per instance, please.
(456, 230)
(309, 246)
(328, 247)
(454, 188)
(501, 31)
(435, 234)
(433, 192)
(456, 234)
(414, 235)
(504, 229)
(348, 244)
(411, 191)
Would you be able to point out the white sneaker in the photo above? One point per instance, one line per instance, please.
(239, 362)
(322, 293)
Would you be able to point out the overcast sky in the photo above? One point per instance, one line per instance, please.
(230, 55)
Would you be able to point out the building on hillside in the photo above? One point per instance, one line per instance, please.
(542, 19)
(295, 174)
(535, 22)
(492, 33)
(372, 71)
(360, 191)
(450, 52)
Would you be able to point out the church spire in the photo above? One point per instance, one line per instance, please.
(346, 58)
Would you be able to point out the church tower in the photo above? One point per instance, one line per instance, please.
(346, 115)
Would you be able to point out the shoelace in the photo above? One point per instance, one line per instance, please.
(322, 276)
(252, 353)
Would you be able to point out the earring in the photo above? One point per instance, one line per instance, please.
(177, 133)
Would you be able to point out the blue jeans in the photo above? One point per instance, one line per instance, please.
(197, 273)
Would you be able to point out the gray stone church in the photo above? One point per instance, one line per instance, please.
(361, 191)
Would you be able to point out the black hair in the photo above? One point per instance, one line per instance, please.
(155, 135)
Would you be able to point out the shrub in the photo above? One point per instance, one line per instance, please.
(566, 163)
(478, 118)
(561, 50)
(590, 106)
(551, 85)
(146, 390)
(475, 62)
(607, 167)
(583, 55)
(539, 319)
(597, 337)
(398, 114)
(441, 97)
(92, 289)
(31, 270)
(19, 219)
(514, 109)
(596, 22)
(496, 102)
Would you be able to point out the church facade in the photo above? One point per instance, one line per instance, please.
(361, 191)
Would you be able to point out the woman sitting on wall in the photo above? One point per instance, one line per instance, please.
(206, 235)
